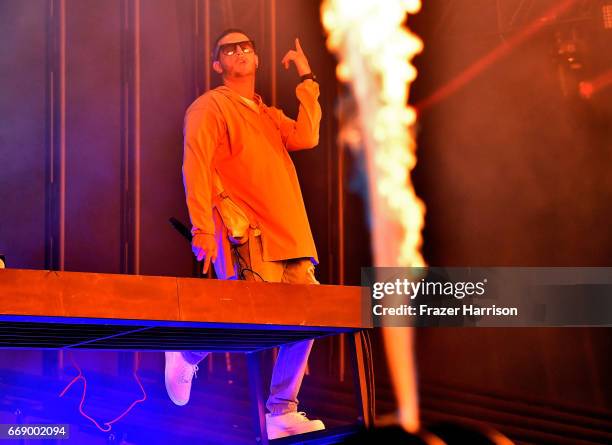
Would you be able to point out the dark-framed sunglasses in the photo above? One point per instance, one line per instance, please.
(229, 49)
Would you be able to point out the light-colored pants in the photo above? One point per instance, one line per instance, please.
(291, 362)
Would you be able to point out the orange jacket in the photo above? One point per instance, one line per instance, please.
(249, 151)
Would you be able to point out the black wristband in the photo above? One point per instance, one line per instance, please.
(308, 76)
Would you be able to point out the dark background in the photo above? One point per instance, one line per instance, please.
(513, 167)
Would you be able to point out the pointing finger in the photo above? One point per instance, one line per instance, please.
(206, 264)
(298, 47)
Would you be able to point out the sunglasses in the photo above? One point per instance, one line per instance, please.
(229, 49)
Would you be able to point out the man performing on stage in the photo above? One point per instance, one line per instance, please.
(246, 207)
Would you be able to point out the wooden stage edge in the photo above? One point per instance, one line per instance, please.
(82, 295)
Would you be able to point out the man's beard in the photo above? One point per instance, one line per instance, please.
(239, 71)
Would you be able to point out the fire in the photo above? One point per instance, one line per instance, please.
(374, 51)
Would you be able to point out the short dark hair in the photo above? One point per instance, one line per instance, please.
(215, 53)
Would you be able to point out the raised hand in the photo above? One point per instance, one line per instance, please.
(298, 57)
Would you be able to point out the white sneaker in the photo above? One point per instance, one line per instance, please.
(290, 424)
(178, 376)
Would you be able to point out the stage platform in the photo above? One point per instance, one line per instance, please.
(72, 310)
